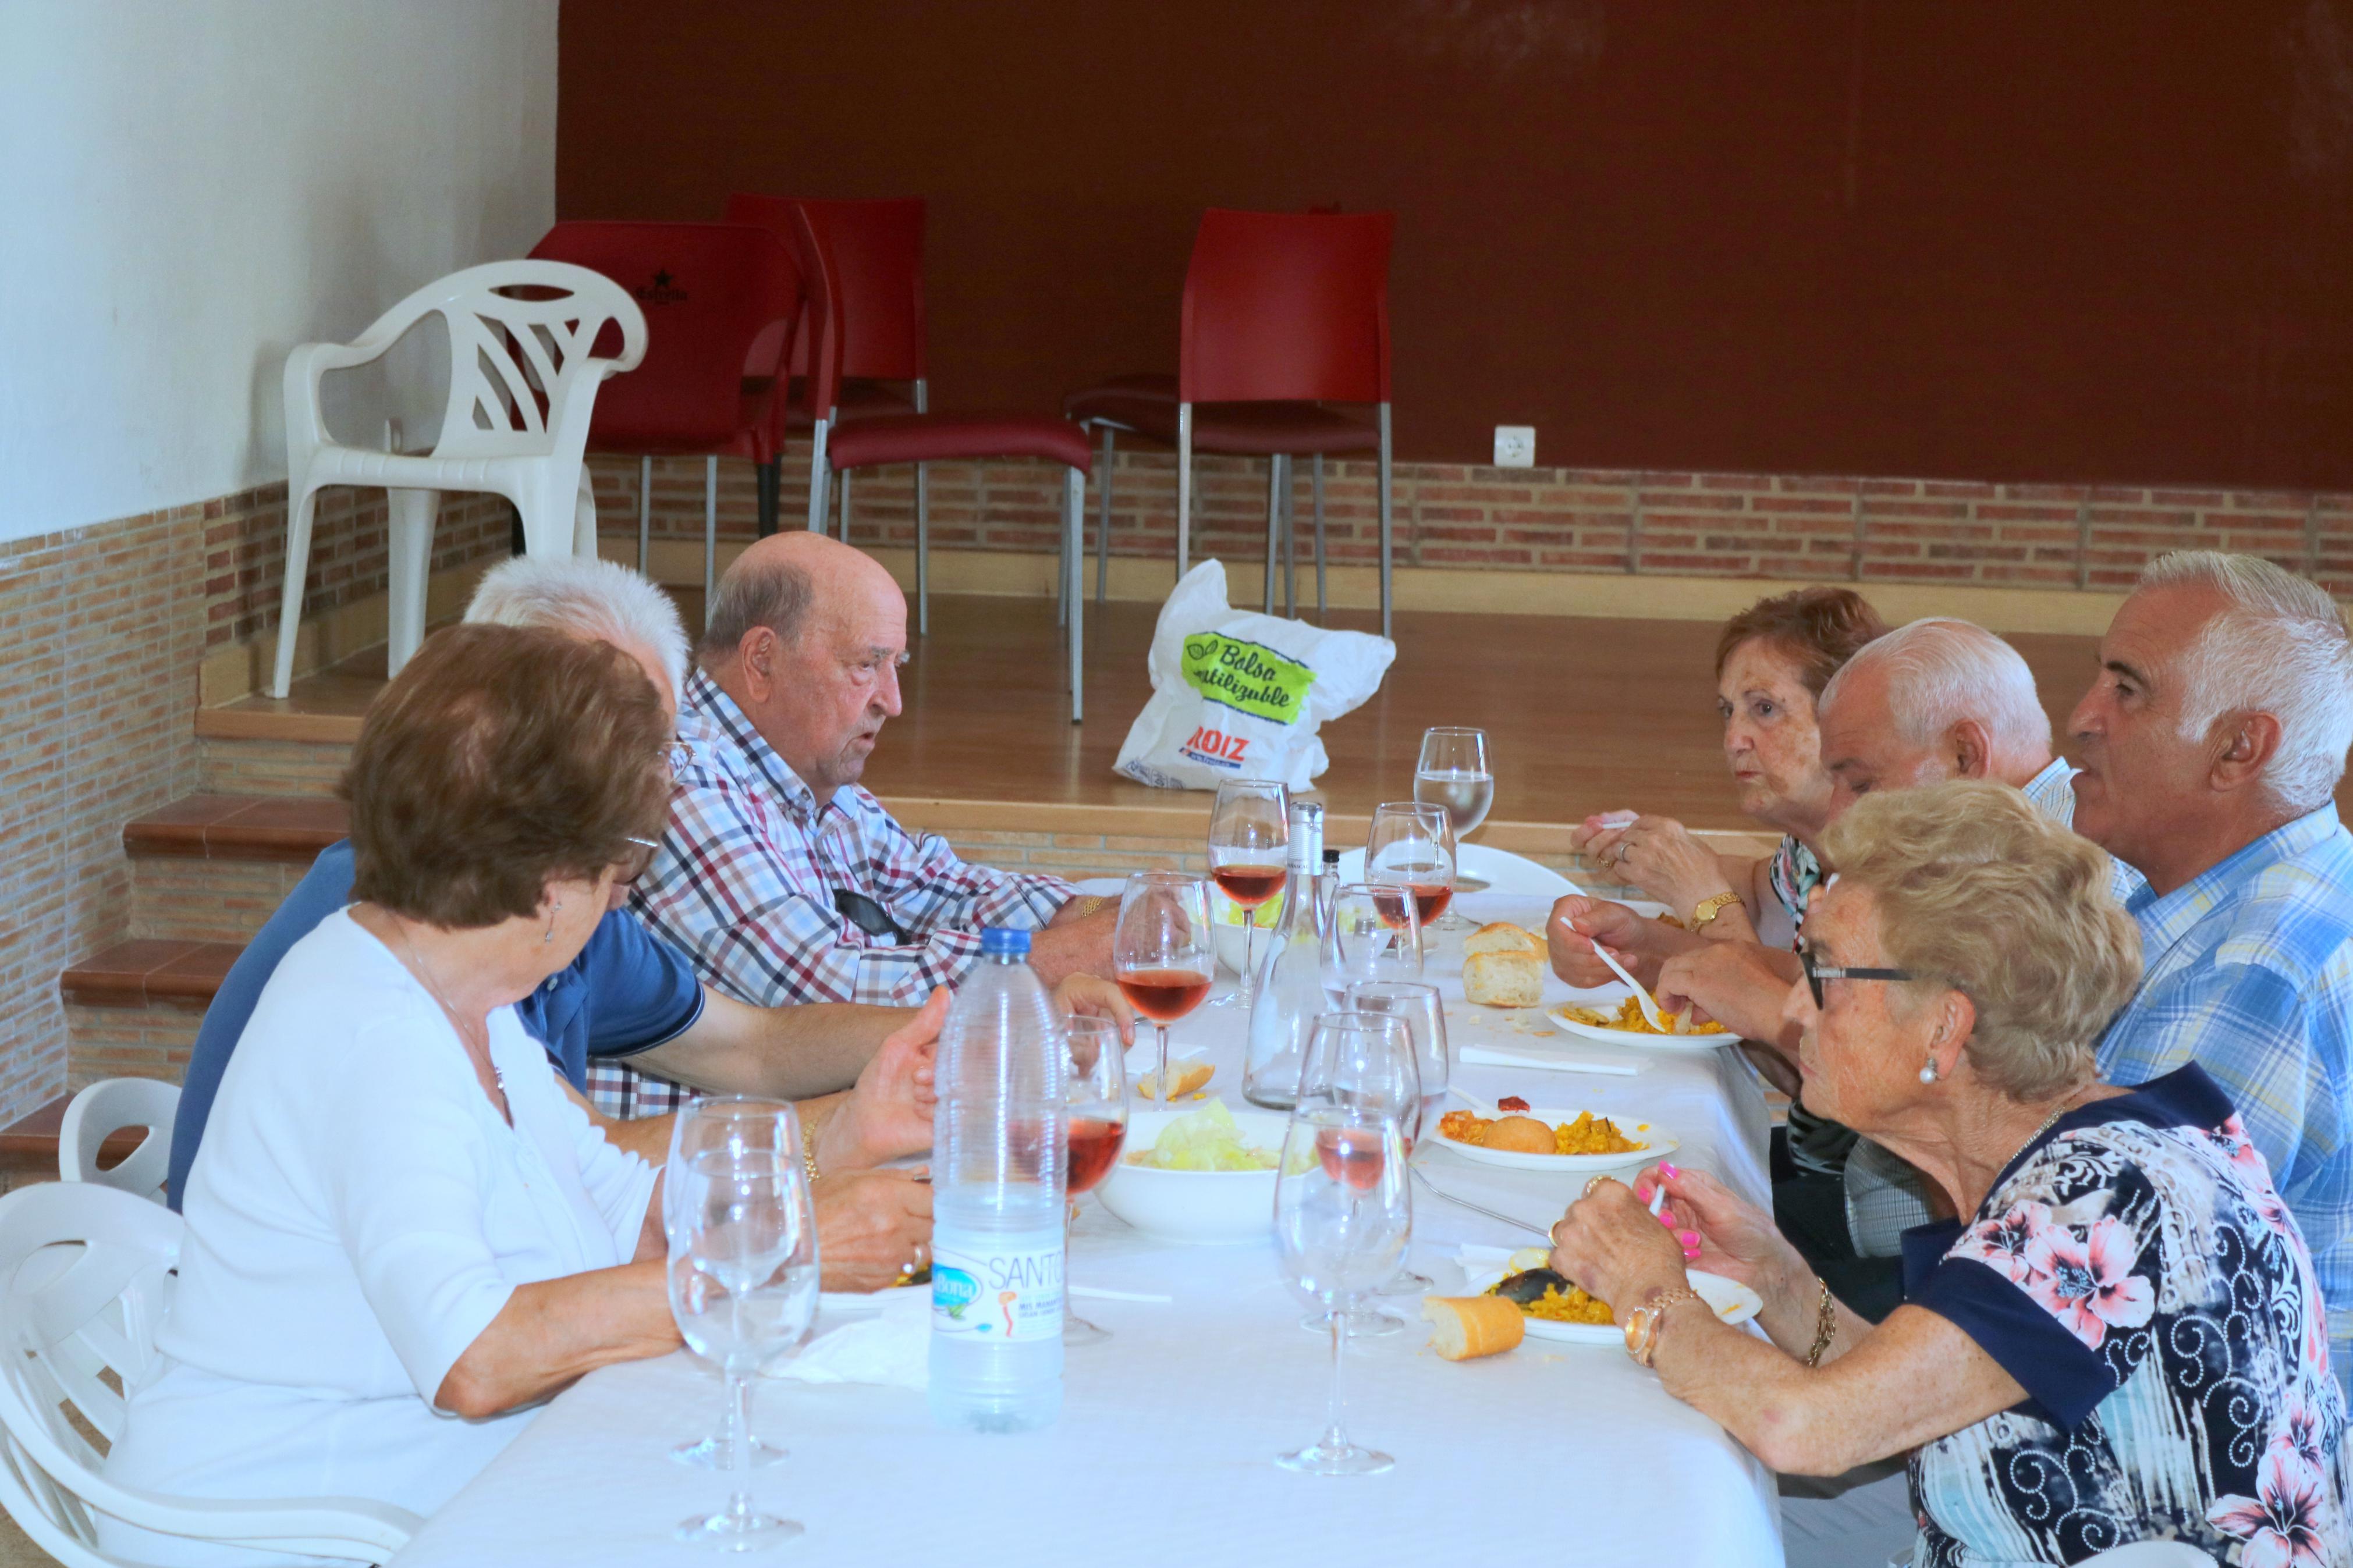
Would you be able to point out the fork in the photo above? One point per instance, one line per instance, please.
(1438, 1191)
(1641, 993)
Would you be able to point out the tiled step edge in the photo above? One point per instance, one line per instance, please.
(144, 972)
(28, 1145)
(239, 828)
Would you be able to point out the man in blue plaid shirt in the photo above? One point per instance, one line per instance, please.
(2213, 741)
(782, 879)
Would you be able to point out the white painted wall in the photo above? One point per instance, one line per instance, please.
(188, 188)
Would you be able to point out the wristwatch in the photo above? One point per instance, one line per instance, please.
(1707, 910)
(1642, 1322)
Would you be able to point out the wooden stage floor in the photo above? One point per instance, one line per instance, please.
(1582, 714)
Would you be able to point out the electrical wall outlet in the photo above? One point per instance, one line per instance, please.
(1515, 445)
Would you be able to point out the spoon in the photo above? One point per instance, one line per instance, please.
(1642, 995)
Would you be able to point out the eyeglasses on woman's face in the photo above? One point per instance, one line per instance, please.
(632, 866)
(1817, 972)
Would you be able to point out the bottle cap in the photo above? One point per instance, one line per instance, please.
(1331, 856)
(998, 941)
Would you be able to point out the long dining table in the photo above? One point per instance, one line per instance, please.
(1164, 1450)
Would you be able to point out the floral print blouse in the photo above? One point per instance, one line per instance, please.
(2137, 1274)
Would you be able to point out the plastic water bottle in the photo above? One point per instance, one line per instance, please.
(996, 1188)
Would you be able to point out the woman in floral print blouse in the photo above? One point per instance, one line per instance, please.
(2119, 1338)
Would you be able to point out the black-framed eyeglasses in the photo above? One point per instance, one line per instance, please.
(1818, 971)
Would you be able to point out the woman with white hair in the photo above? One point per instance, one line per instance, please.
(2121, 1339)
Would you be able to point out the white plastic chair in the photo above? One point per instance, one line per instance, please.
(85, 1273)
(523, 384)
(1502, 871)
(104, 1108)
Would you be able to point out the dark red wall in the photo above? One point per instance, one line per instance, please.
(1982, 238)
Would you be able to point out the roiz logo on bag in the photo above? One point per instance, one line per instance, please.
(1216, 748)
(662, 291)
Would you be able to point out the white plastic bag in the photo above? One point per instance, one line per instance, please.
(1240, 695)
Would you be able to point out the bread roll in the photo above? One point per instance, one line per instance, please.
(1521, 1135)
(1462, 1327)
(1504, 979)
(1189, 1077)
(1503, 937)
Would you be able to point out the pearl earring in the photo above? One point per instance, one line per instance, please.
(548, 935)
(1928, 1073)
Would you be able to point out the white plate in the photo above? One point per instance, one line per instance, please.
(1734, 1303)
(1560, 1019)
(1659, 1143)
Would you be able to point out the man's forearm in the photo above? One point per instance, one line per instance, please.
(785, 1052)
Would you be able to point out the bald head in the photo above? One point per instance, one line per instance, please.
(805, 635)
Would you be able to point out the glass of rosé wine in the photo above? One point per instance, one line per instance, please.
(1094, 1129)
(1163, 951)
(1249, 830)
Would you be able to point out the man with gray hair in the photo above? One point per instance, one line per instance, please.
(2213, 739)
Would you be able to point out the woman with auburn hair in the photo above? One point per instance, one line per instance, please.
(2121, 1339)
(402, 1231)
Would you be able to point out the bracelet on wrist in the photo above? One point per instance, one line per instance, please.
(1825, 1326)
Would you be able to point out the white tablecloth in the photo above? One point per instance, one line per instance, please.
(1164, 1453)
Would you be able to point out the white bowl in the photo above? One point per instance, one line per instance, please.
(1207, 1208)
(1226, 925)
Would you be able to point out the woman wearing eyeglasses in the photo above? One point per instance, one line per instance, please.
(2121, 1339)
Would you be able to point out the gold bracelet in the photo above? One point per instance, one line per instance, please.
(1088, 904)
(1825, 1326)
(809, 1152)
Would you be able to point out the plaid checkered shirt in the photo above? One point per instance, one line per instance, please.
(2248, 971)
(744, 883)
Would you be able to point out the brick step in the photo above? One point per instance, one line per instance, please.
(212, 867)
(132, 1010)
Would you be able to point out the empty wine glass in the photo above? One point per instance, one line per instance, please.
(713, 1452)
(1094, 1128)
(1412, 847)
(1418, 1007)
(743, 1270)
(1452, 772)
(1249, 829)
(1163, 951)
(1374, 934)
(1364, 1062)
(1342, 1217)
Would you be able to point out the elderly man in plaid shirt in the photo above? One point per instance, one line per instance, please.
(781, 878)
(2213, 741)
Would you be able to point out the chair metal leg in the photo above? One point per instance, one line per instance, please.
(771, 481)
(709, 531)
(1317, 469)
(1273, 520)
(1063, 574)
(644, 511)
(1184, 487)
(1102, 518)
(922, 549)
(844, 506)
(1289, 544)
(1074, 502)
(818, 476)
(1386, 522)
(411, 515)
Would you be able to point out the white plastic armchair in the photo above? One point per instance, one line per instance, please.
(522, 385)
(106, 1107)
(84, 1271)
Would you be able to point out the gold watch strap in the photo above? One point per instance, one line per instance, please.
(1642, 1324)
(1707, 910)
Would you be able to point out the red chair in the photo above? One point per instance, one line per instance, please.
(721, 301)
(1284, 314)
(878, 252)
(878, 438)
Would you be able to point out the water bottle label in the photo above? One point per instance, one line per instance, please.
(998, 1289)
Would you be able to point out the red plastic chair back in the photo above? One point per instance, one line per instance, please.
(878, 272)
(1287, 306)
(818, 343)
(711, 293)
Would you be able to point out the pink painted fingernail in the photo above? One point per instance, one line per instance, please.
(1667, 1170)
(1666, 1219)
(1689, 1238)
(1690, 1252)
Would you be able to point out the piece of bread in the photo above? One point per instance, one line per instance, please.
(1504, 979)
(1521, 1135)
(1189, 1077)
(1503, 937)
(1462, 1327)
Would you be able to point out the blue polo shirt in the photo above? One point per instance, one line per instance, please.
(627, 991)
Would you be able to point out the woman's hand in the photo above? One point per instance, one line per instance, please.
(1656, 854)
(1091, 996)
(871, 1227)
(887, 1115)
(1609, 1243)
(1578, 923)
(1740, 984)
(1736, 1238)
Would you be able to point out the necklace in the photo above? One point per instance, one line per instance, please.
(2064, 1106)
(479, 1050)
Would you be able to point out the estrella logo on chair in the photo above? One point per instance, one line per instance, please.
(952, 1291)
(663, 290)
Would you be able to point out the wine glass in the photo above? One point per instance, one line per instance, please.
(1341, 1215)
(1163, 951)
(1374, 934)
(1412, 847)
(1418, 1007)
(1094, 1128)
(1453, 773)
(1364, 1062)
(711, 1453)
(743, 1270)
(1249, 830)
